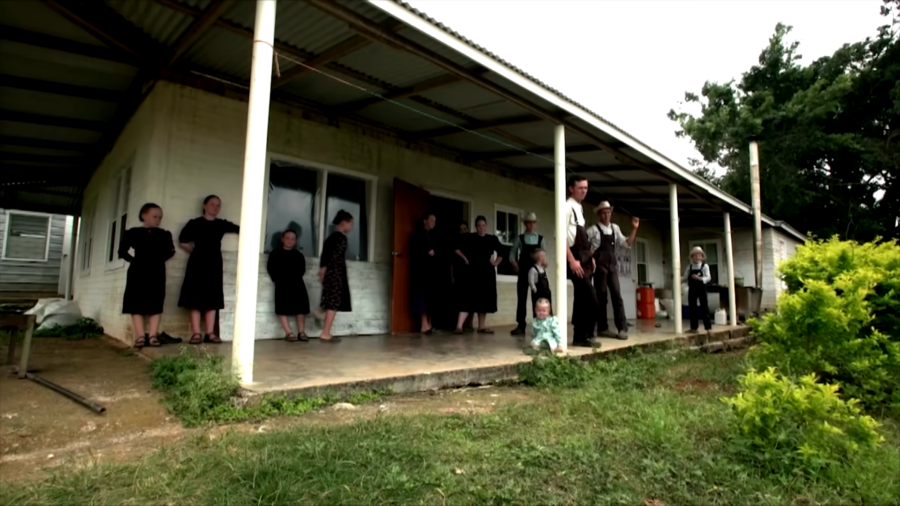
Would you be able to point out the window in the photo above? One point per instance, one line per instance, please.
(640, 259)
(295, 201)
(711, 248)
(508, 227)
(27, 237)
(87, 235)
(118, 218)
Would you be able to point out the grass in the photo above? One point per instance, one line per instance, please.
(635, 430)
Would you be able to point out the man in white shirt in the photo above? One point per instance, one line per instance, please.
(605, 236)
(581, 265)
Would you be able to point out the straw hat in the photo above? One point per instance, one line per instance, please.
(530, 217)
(698, 249)
(603, 205)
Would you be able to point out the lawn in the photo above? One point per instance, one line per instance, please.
(643, 430)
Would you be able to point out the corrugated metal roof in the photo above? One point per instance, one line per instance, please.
(391, 65)
(162, 24)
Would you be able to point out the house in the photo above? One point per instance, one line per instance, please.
(32, 258)
(373, 107)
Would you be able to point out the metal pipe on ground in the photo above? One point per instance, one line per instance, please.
(65, 392)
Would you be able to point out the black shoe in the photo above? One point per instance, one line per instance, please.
(167, 339)
(586, 343)
(518, 331)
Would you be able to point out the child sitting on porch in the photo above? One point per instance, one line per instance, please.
(546, 329)
(537, 278)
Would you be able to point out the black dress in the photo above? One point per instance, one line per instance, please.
(286, 268)
(335, 285)
(422, 272)
(202, 287)
(145, 285)
(481, 284)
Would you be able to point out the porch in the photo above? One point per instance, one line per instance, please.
(413, 362)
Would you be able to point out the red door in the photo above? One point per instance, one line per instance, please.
(410, 203)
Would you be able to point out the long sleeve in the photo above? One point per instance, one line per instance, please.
(188, 233)
(687, 272)
(532, 279)
(230, 228)
(543, 244)
(593, 234)
(125, 245)
(704, 274)
(497, 246)
(514, 251)
(272, 265)
(621, 240)
(554, 328)
(167, 248)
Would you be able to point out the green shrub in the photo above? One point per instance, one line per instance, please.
(826, 261)
(84, 328)
(833, 324)
(785, 424)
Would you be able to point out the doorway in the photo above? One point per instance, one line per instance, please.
(450, 213)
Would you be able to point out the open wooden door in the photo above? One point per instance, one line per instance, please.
(410, 203)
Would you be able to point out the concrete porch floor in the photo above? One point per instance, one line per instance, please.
(413, 362)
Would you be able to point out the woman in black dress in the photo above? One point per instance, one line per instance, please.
(145, 285)
(481, 254)
(286, 267)
(458, 271)
(422, 272)
(333, 273)
(202, 289)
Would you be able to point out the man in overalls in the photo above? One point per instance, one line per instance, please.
(604, 237)
(520, 256)
(581, 266)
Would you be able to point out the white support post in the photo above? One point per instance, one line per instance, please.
(757, 214)
(729, 257)
(676, 258)
(561, 297)
(73, 247)
(252, 194)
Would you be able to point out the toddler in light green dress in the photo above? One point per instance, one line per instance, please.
(545, 328)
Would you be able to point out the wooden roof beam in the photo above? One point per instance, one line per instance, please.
(68, 90)
(36, 39)
(482, 125)
(56, 121)
(201, 24)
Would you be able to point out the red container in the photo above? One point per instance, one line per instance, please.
(646, 303)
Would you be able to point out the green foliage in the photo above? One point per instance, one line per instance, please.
(827, 133)
(200, 390)
(785, 424)
(634, 371)
(838, 320)
(84, 328)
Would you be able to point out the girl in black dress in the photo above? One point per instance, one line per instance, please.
(458, 271)
(423, 270)
(480, 253)
(202, 290)
(145, 285)
(333, 273)
(286, 267)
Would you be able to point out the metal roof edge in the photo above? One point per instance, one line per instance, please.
(433, 28)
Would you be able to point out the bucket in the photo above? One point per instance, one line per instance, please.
(721, 317)
(646, 303)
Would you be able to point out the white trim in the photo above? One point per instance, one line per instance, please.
(118, 178)
(507, 278)
(322, 171)
(457, 197)
(9, 215)
(646, 262)
(402, 13)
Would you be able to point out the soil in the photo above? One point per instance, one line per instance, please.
(41, 430)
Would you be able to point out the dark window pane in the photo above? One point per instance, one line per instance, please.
(291, 204)
(349, 194)
(505, 268)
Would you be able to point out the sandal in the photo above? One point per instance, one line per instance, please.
(212, 339)
(196, 339)
(303, 337)
(290, 337)
(153, 341)
(485, 331)
(139, 342)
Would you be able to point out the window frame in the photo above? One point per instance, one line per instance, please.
(122, 178)
(86, 237)
(646, 261)
(9, 215)
(370, 180)
(721, 261)
(506, 278)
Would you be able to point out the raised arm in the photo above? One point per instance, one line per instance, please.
(124, 246)
(635, 224)
(231, 228)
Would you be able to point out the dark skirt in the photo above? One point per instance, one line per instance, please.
(291, 299)
(423, 290)
(202, 288)
(336, 289)
(145, 288)
(480, 295)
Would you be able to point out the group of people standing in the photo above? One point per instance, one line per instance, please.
(202, 291)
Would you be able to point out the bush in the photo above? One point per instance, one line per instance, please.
(84, 328)
(833, 324)
(786, 424)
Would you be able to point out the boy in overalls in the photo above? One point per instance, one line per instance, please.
(697, 276)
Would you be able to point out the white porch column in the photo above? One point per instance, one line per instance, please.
(252, 194)
(729, 257)
(73, 247)
(676, 257)
(561, 297)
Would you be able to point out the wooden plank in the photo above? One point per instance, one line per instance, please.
(57, 121)
(36, 39)
(200, 26)
(68, 90)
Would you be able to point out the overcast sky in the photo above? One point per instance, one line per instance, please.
(632, 61)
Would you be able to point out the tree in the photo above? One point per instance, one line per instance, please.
(828, 134)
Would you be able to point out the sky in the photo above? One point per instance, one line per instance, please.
(632, 61)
